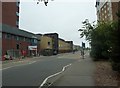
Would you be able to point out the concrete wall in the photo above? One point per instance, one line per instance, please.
(64, 46)
(44, 42)
(54, 37)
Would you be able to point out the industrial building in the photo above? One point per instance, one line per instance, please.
(54, 37)
(65, 46)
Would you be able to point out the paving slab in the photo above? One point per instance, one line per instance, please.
(78, 74)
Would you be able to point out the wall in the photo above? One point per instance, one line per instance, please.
(9, 16)
(115, 10)
(44, 43)
(11, 44)
(54, 37)
(64, 46)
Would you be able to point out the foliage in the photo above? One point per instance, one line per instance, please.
(104, 40)
(96, 35)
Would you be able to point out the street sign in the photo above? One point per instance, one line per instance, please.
(32, 47)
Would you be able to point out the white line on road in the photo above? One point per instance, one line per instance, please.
(17, 65)
(54, 75)
(32, 62)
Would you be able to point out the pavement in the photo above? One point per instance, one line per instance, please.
(80, 73)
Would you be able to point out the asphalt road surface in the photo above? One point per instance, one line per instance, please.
(35, 73)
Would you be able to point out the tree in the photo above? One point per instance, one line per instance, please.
(104, 40)
(115, 54)
(99, 37)
(45, 2)
(87, 30)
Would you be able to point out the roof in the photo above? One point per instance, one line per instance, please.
(61, 39)
(38, 35)
(51, 34)
(16, 31)
(71, 42)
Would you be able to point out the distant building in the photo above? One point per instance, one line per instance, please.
(10, 13)
(65, 46)
(46, 45)
(54, 37)
(107, 9)
(76, 47)
(71, 45)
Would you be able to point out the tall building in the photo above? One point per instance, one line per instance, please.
(10, 13)
(107, 9)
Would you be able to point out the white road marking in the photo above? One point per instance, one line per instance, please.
(60, 57)
(32, 62)
(45, 81)
(54, 75)
(17, 65)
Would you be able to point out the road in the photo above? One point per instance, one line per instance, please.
(34, 74)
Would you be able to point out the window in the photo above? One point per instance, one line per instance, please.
(104, 6)
(102, 14)
(16, 37)
(48, 43)
(105, 11)
(105, 17)
(35, 40)
(24, 39)
(21, 38)
(17, 14)
(8, 36)
(17, 46)
(102, 9)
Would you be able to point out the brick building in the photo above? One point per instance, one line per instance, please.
(15, 40)
(10, 13)
(107, 9)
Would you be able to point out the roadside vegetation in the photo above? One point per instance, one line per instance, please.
(104, 41)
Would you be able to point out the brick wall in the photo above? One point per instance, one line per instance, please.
(9, 16)
(9, 44)
(115, 10)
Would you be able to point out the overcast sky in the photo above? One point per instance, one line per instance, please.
(61, 16)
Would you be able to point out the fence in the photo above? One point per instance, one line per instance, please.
(14, 53)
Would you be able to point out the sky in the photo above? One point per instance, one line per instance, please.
(64, 17)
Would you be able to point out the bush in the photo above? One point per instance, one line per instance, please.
(116, 66)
